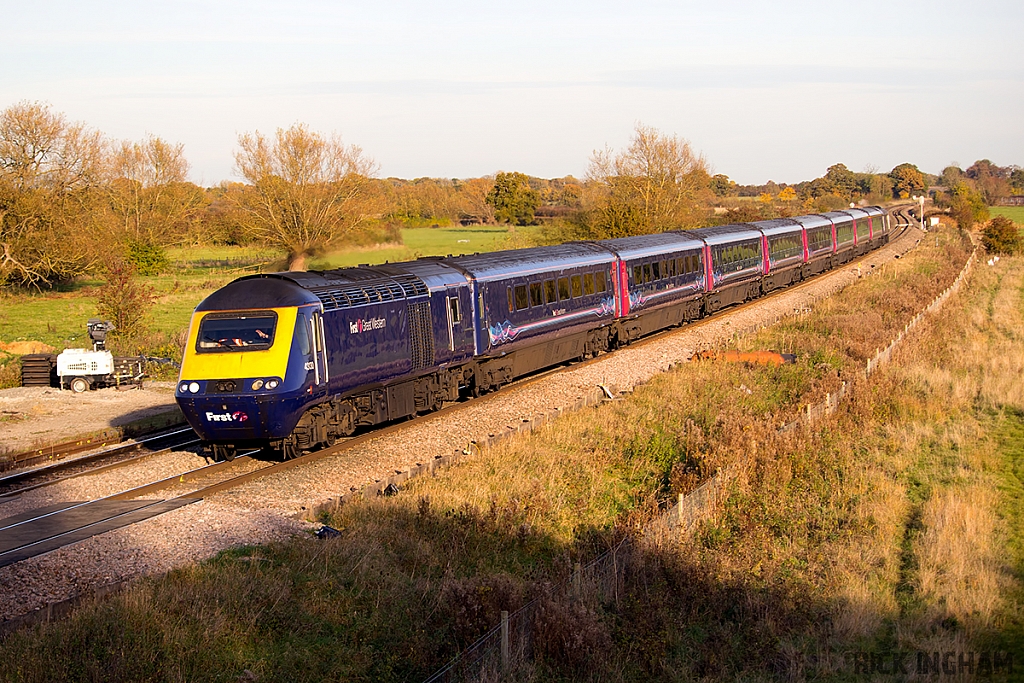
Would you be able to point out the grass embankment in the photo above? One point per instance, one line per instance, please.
(58, 318)
(833, 539)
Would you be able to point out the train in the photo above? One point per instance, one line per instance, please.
(294, 361)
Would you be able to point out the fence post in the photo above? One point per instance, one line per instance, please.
(504, 641)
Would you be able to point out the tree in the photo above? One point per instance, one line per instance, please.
(124, 301)
(513, 199)
(991, 180)
(151, 199)
(49, 171)
(907, 180)
(722, 186)
(840, 180)
(787, 195)
(1002, 236)
(967, 206)
(305, 190)
(658, 178)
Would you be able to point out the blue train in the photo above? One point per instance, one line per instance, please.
(295, 361)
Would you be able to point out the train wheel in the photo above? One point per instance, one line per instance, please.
(223, 452)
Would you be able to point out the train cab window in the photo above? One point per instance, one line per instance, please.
(647, 273)
(588, 283)
(602, 286)
(577, 286)
(550, 293)
(656, 270)
(453, 310)
(224, 332)
(536, 295)
(563, 289)
(638, 275)
(511, 301)
(302, 335)
(522, 299)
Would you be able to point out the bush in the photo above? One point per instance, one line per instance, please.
(148, 259)
(1001, 236)
(125, 301)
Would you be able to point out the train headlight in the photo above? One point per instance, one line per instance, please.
(257, 385)
(194, 387)
(183, 388)
(272, 384)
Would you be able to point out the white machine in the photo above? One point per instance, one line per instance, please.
(81, 369)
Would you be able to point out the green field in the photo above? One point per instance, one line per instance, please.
(1014, 213)
(58, 317)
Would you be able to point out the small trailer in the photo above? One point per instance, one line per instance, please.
(81, 370)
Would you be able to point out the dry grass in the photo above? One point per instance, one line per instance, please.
(878, 528)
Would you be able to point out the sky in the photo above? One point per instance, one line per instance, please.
(766, 91)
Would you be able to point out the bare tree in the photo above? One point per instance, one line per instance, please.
(149, 192)
(657, 183)
(306, 190)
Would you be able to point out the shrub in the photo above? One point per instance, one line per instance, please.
(148, 259)
(124, 300)
(1001, 236)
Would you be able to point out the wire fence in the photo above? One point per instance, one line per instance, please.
(507, 651)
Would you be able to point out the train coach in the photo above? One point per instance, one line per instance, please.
(295, 361)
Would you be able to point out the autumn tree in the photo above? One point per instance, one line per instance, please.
(151, 199)
(306, 190)
(49, 171)
(967, 205)
(657, 183)
(907, 180)
(991, 180)
(513, 199)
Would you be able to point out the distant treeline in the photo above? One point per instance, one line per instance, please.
(73, 201)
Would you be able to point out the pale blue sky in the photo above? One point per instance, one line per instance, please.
(766, 90)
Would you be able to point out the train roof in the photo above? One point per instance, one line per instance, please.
(836, 216)
(257, 291)
(640, 246)
(432, 270)
(720, 234)
(815, 220)
(778, 226)
(856, 213)
(874, 210)
(499, 264)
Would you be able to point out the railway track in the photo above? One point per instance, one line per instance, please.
(54, 526)
(107, 459)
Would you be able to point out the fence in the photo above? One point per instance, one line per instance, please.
(504, 652)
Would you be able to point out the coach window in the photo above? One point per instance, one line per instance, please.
(671, 263)
(656, 270)
(601, 285)
(522, 299)
(563, 289)
(550, 293)
(647, 273)
(536, 296)
(511, 301)
(638, 275)
(453, 310)
(577, 286)
(588, 283)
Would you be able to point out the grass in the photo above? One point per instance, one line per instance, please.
(897, 524)
(58, 317)
(1014, 213)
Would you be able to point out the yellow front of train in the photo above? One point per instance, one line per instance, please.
(245, 373)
